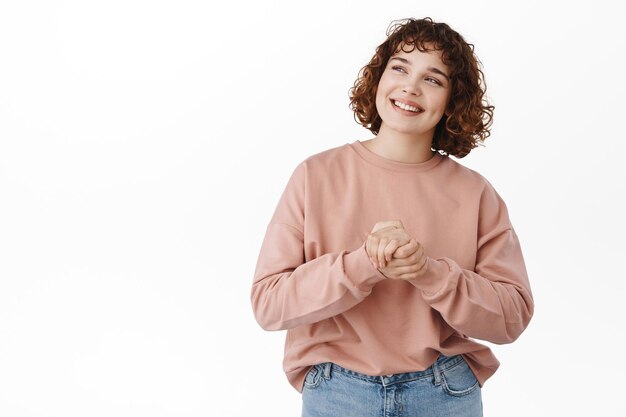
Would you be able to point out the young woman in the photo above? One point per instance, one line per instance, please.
(385, 259)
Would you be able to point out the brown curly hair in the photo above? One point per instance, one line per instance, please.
(470, 115)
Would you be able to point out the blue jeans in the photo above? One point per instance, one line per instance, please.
(447, 388)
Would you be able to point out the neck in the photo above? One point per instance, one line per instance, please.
(400, 147)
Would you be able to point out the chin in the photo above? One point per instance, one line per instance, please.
(409, 131)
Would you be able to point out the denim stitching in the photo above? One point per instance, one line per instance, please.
(316, 377)
(452, 392)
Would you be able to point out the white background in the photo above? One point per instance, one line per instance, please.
(144, 146)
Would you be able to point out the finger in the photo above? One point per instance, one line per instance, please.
(394, 270)
(406, 250)
(382, 230)
(392, 232)
(394, 263)
(387, 250)
(415, 271)
(396, 223)
(382, 226)
(393, 245)
(380, 255)
(387, 223)
(406, 268)
(371, 247)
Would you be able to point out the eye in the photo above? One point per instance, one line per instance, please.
(397, 67)
(433, 80)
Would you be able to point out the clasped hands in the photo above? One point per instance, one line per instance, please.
(393, 252)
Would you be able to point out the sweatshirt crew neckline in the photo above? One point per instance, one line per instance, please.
(392, 165)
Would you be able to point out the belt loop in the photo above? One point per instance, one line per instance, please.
(436, 372)
(327, 366)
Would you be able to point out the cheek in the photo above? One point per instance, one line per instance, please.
(442, 102)
(382, 87)
(380, 98)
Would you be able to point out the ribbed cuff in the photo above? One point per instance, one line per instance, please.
(436, 279)
(360, 270)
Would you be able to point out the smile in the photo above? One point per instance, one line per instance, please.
(406, 109)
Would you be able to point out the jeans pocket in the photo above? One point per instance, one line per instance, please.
(313, 377)
(459, 380)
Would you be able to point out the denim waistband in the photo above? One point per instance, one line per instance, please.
(441, 364)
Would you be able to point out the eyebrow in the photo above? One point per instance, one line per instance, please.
(432, 69)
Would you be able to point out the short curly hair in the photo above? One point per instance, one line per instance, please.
(470, 115)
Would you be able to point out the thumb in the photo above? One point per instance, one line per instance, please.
(387, 224)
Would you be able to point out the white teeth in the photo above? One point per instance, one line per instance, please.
(406, 107)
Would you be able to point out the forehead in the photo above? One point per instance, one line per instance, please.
(412, 53)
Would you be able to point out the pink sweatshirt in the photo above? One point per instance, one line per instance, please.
(314, 278)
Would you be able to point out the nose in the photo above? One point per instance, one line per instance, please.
(412, 89)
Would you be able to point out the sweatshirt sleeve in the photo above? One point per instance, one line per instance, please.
(287, 291)
(493, 302)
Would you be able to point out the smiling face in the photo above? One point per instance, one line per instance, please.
(413, 93)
